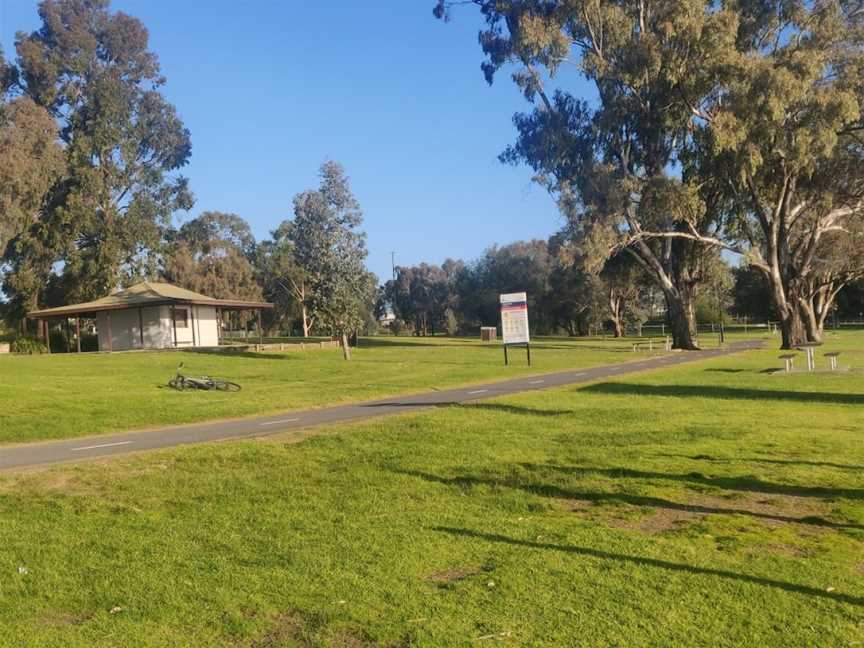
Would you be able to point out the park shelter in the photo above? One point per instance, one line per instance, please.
(150, 315)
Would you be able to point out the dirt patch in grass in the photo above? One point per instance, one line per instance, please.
(61, 619)
(660, 521)
(352, 639)
(774, 511)
(859, 568)
(40, 479)
(286, 628)
(453, 575)
(788, 550)
(808, 515)
(576, 504)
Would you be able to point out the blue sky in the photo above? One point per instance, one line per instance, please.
(269, 89)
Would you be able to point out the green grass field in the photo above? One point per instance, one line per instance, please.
(705, 505)
(70, 395)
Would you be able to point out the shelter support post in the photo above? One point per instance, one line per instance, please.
(46, 333)
(260, 330)
(141, 326)
(78, 333)
(68, 334)
(110, 336)
(192, 324)
(174, 324)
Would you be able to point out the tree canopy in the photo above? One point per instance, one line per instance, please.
(92, 71)
(732, 125)
(212, 254)
(331, 249)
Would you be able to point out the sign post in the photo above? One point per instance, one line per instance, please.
(514, 323)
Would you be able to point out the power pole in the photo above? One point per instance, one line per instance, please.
(393, 264)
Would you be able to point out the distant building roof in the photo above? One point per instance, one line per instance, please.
(146, 293)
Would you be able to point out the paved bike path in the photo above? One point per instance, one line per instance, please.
(105, 445)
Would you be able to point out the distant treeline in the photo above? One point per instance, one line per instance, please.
(459, 297)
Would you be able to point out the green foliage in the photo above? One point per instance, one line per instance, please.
(28, 346)
(122, 142)
(31, 162)
(211, 255)
(424, 294)
(283, 281)
(780, 142)
(331, 250)
(612, 166)
(752, 297)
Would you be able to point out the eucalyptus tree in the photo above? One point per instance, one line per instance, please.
(91, 69)
(31, 163)
(285, 283)
(615, 168)
(420, 294)
(331, 250)
(211, 254)
(624, 284)
(784, 138)
(838, 263)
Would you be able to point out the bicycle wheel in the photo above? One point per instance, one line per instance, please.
(177, 384)
(224, 385)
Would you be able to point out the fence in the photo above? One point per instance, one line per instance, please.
(280, 346)
(661, 330)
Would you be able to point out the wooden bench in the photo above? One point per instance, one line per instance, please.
(832, 359)
(789, 361)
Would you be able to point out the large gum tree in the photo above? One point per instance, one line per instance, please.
(783, 138)
(615, 167)
(91, 70)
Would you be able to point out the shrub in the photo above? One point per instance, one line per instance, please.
(59, 342)
(28, 345)
(89, 342)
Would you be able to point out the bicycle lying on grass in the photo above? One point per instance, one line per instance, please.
(183, 383)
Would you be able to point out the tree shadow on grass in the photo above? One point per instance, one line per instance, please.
(725, 393)
(385, 342)
(582, 347)
(745, 483)
(255, 355)
(514, 409)
(488, 407)
(782, 462)
(654, 562)
(556, 492)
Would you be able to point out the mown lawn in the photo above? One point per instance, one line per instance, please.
(70, 395)
(705, 505)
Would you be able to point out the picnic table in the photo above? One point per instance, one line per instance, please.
(809, 348)
(832, 359)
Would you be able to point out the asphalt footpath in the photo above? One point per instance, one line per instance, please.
(30, 455)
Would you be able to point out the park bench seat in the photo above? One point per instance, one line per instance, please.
(832, 359)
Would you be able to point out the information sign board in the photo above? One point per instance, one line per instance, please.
(514, 318)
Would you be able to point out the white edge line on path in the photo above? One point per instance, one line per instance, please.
(536, 382)
(292, 420)
(479, 391)
(101, 445)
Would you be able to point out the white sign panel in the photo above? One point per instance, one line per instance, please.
(514, 318)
